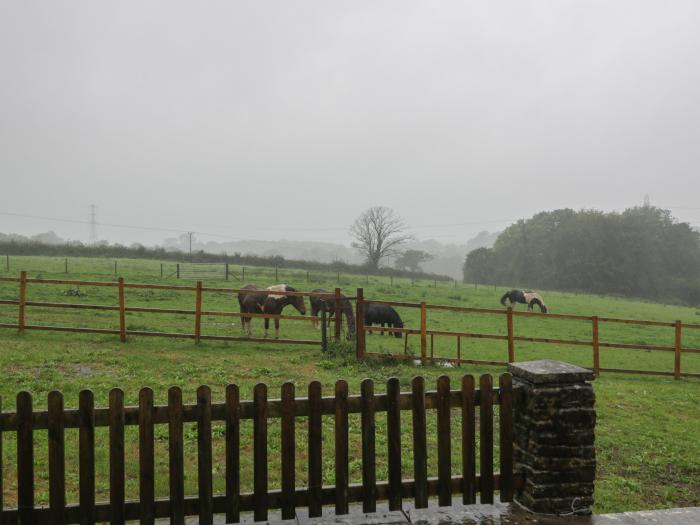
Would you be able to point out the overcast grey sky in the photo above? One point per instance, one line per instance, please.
(286, 119)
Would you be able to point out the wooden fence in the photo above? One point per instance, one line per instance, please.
(289, 497)
(427, 336)
(594, 343)
(198, 312)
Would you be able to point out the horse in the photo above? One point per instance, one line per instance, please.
(268, 303)
(381, 314)
(527, 297)
(250, 303)
(327, 304)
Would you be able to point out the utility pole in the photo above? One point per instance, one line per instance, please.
(189, 234)
(93, 224)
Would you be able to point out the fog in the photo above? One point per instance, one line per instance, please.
(284, 120)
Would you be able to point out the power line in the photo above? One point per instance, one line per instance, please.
(210, 234)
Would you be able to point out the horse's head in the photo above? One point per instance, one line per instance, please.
(297, 301)
(398, 324)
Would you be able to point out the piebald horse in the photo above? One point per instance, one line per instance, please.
(527, 297)
(267, 303)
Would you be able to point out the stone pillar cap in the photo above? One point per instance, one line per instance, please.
(549, 371)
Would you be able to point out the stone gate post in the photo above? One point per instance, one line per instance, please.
(554, 440)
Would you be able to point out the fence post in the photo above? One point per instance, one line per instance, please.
(338, 316)
(115, 268)
(226, 271)
(360, 322)
(161, 270)
(198, 312)
(122, 311)
(178, 270)
(65, 269)
(423, 334)
(391, 280)
(7, 262)
(324, 331)
(22, 300)
(243, 273)
(511, 345)
(559, 459)
(276, 278)
(307, 276)
(677, 363)
(596, 347)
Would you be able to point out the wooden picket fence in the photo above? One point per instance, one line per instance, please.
(288, 497)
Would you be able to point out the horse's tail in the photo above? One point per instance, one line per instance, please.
(505, 296)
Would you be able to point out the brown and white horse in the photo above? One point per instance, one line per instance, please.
(527, 297)
(268, 303)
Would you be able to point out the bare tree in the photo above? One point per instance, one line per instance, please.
(378, 232)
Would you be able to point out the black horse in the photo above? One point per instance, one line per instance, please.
(268, 303)
(527, 297)
(327, 304)
(381, 314)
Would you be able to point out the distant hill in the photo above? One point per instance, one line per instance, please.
(447, 258)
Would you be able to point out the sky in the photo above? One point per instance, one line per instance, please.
(285, 120)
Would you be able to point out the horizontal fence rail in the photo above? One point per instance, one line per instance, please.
(22, 303)
(468, 399)
(427, 336)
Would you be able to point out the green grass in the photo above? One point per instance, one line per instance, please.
(649, 454)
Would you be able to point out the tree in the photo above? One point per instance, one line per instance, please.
(479, 266)
(412, 259)
(642, 252)
(378, 232)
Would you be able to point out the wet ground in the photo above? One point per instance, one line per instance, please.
(498, 514)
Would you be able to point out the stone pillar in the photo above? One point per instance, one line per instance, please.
(554, 441)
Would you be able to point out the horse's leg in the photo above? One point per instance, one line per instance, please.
(277, 328)
(382, 331)
(267, 325)
(314, 322)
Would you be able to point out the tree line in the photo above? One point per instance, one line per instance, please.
(16, 245)
(641, 252)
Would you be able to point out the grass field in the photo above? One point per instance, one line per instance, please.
(648, 450)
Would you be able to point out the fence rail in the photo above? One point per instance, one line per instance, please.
(198, 312)
(25, 420)
(427, 335)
